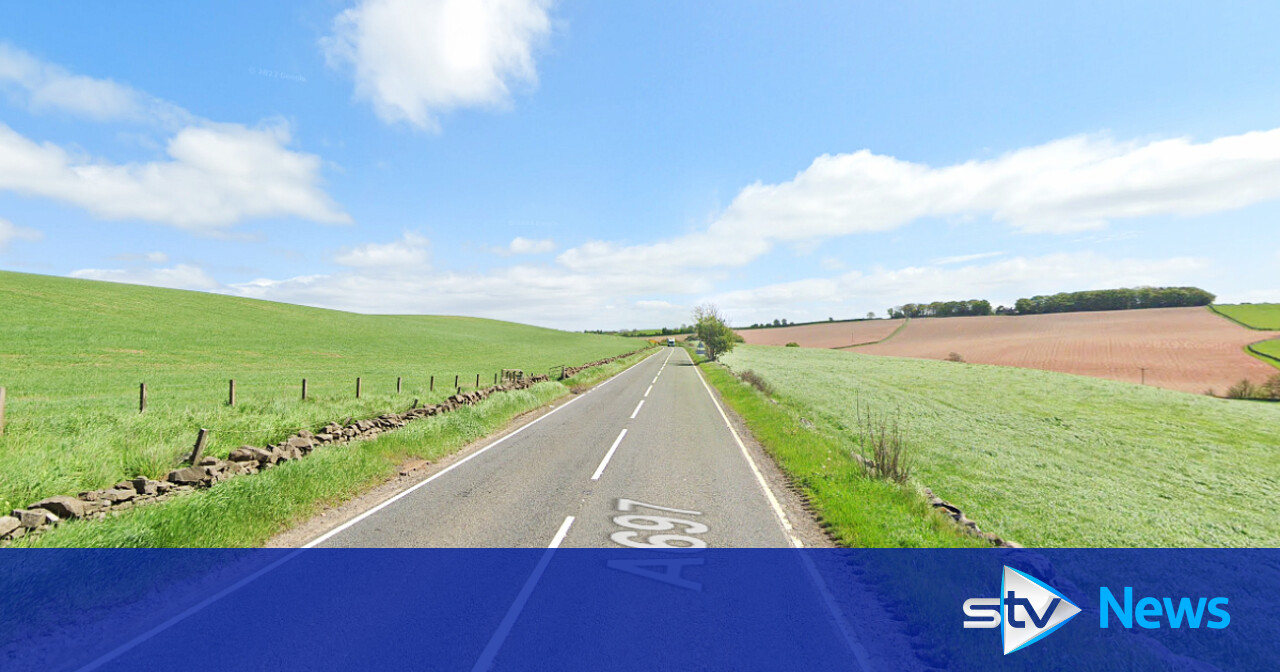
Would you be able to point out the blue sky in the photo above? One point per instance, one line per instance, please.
(608, 165)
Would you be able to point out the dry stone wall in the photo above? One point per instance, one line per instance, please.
(245, 460)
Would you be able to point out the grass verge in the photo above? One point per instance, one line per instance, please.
(861, 512)
(247, 511)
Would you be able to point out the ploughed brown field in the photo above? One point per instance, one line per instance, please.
(822, 335)
(1187, 349)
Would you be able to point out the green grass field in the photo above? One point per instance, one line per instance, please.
(860, 512)
(1048, 459)
(1264, 316)
(1271, 348)
(72, 354)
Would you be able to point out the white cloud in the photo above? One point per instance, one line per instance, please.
(1000, 282)
(10, 232)
(697, 250)
(530, 294)
(148, 257)
(43, 87)
(1252, 296)
(965, 258)
(182, 276)
(215, 174)
(394, 278)
(411, 251)
(416, 59)
(520, 245)
(1075, 184)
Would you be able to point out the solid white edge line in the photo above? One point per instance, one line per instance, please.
(405, 493)
(637, 411)
(490, 653)
(123, 648)
(837, 614)
(608, 456)
(331, 533)
(118, 651)
(764, 485)
(820, 585)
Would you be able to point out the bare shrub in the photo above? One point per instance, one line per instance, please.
(793, 344)
(755, 380)
(882, 443)
(1271, 388)
(1245, 389)
(955, 357)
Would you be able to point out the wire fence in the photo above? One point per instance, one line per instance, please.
(233, 392)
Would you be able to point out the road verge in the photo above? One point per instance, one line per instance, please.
(856, 511)
(246, 512)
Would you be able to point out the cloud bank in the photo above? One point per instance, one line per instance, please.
(1069, 185)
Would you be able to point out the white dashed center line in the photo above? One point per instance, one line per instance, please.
(608, 456)
(637, 411)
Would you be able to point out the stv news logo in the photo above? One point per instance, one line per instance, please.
(1026, 611)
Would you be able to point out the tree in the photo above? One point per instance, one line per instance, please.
(871, 314)
(710, 327)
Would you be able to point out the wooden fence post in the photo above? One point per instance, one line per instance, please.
(477, 381)
(231, 393)
(398, 381)
(357, 388)
(2, 395)
(198, 450)
(432, 388)
(304, 389)
(142, 397)
(495, 379)
(455, 382)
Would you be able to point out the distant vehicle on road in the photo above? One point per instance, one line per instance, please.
(671, 342)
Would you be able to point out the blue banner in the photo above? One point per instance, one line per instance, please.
(628, 609)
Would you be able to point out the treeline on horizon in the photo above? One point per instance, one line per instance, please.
(1131, 298)
(1114, 299)
(1065, 302)
(665, 331)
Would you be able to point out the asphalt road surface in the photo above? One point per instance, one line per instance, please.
(646, 459)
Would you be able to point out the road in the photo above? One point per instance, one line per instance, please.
(646, 460)
(646, 453)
